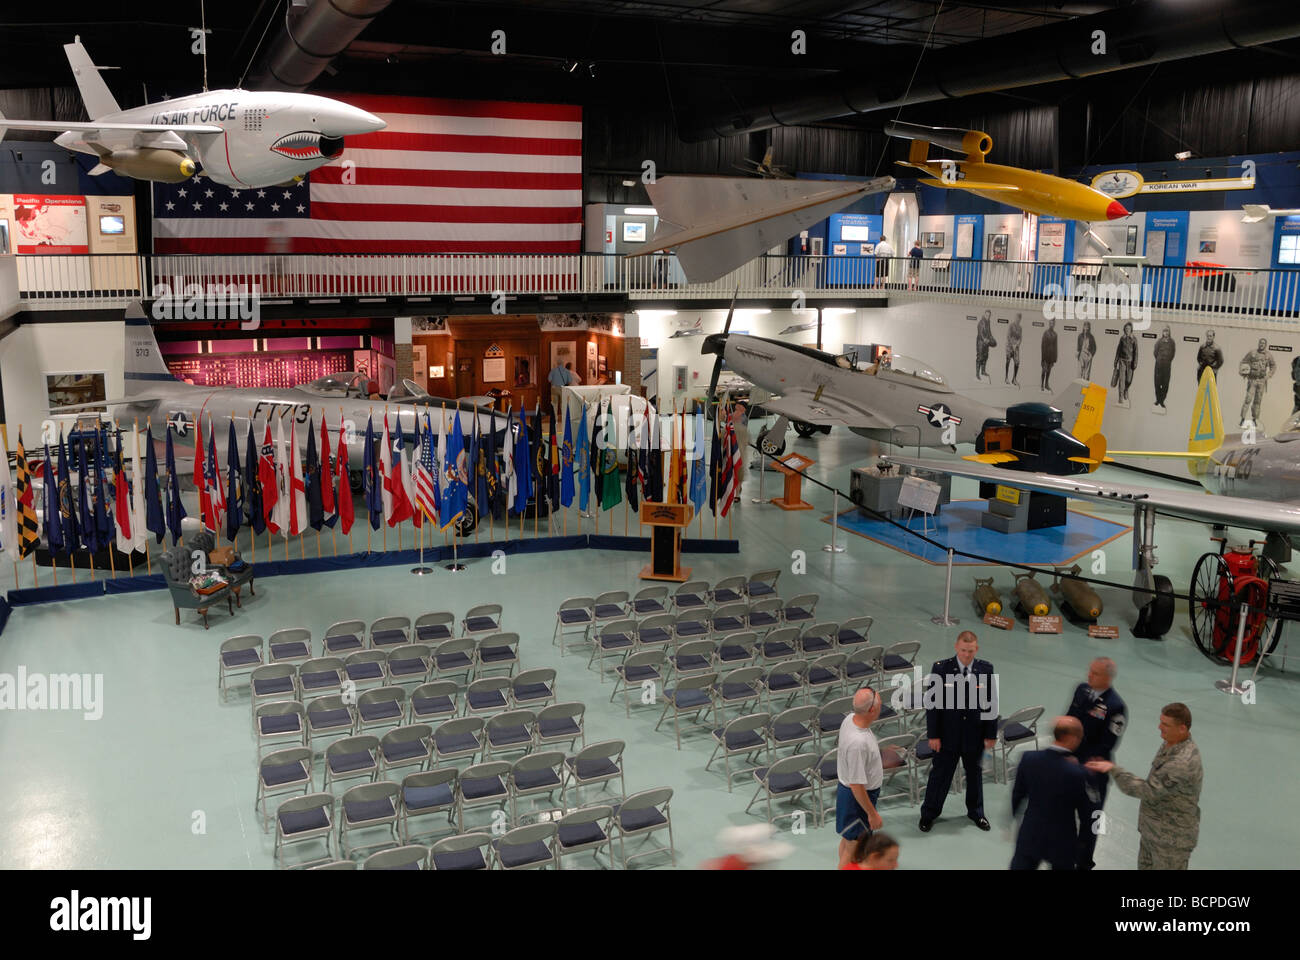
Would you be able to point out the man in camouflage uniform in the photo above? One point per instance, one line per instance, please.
(1256, 366)
(1169, 816)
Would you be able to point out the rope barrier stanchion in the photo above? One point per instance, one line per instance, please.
(946, 620)
(834, 547)
(762, 471)
(1231, 685)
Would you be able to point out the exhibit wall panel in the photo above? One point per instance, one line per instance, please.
(36, 350)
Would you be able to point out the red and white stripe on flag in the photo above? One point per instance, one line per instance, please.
(445, 176)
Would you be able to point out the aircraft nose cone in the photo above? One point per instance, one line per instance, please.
(368, 122)
(1115, 211)
(714, 343)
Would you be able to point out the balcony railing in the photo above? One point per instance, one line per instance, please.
(1074, 289)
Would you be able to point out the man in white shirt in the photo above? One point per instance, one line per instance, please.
(884, 252)
(859, 771)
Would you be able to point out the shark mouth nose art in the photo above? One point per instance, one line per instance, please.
(307, 145)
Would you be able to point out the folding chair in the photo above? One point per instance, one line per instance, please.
(692, 625)
(786, 678)
(692, 658)
(280, 721)
(300, 819)
(862, 666)
(528, 848)
(818, 639)
(409, 746)
(741, 737)
(380, 708)
(762, 584)
(435, 627)
(646, 666)
(457, 739)
(389, 632)
(830, 717)
(509, 732)
(343, 638)
(433, 701)
(588, 828)
(614, 638)
(899, 658)
(692, 595)
(481, 785)
(799, 610)
(463, 852)
(737, 649)
(895, 760)
(854, 632)
(364, 807)
(487, 696)
(575, 615)
(402, 858)
(786, 779)
(825, 776)
(238, 656)
(826, 674)
(290, 645)
(693, 695)
(656, 632)
(533, 688)
(273, 681)
(641, 815)
(764, 614)
(329, 716)
(793, 728)
(499, 651)
(650, 601)
(611, 605)
(319, 677)
(780, 644)
(453, 658)
(598, 763)
(351, 758)
(424, 794)
(561, 723)
(728, 590)
(482, 620)
(728, 618)
(335, 865)
(1019, 728)
(409, 663)
(536, 774)
(281, 773)
(365, 668)
(738, 689)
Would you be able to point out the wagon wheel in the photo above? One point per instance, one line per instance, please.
(1211, 592)
(1254, 592)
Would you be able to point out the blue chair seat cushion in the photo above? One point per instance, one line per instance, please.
(520, 855)
(299, 821)
(364, 671)
(797, 613)
(1015, 730)
(532, 691)
(360, 811)
(642, 819)
(851, 636)
(580, 834)
(347, 762)
(726, 595)
(740, 739)
(691, 661)
(816, 642)
(279, 723)
(828, 771)
(266, 685)
(433, 631)
(636, 674)
(480, 788)
(422, 798)
(558, 727)
(727, 624)
(479, 624)
(407, 667)
(503, 736)
(606, 611)
(655, 635)
(858, 668)
(760, 588)
(648, 606)
(782, 782)
(821, 675)
(278, 774)
(386, 638)
(379, 710)
(295, 648)
(317, 679)
(460, 860)
(738, 691)
(689, 601)
(575, 615)
(892, 661)
(497, 654)
(692, 628)
(487, 699)
(343, 641)
(455, 742)
(683, 699)
(537, 779)
(611, 641)
(922, 749)
(785, 732)
(777, 649)
(404, 749)
(762, 618)
(831, 722)
(593, 769)
(321, 719)
(425, 706)
(783, 681)
(240, 658)
(454, 661)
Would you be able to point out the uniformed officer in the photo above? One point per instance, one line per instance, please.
(1054, 792)
(960, 726)
(1169, 816)
(1103, 714)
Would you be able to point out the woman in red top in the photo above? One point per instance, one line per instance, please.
(873, 851)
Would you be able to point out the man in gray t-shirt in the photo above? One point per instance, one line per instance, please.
(859, 771)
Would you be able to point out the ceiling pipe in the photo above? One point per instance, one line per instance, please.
(1151, 32)
(307, 43)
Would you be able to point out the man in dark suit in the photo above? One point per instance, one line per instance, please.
(1103, 714)
(1052, 788)
(960, 723)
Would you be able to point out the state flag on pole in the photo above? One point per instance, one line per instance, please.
(346, 515)
(155, 522)
(214, 505)
(396, 506)
(566, 455)
(234, 505)
(268, 475)
(175, 508)
(200, 460)
(139, 510)
(385, 472)
(582, 461)
(409, 465)
(24, 507)
(9, 509)
(122, 502)
(279, 522)
(253, 483)
(327, 499)
(49, 505)
(311, 478)
(295, 489)
(456, 469)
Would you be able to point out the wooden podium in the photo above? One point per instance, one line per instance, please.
(793, 465)
(667, 521)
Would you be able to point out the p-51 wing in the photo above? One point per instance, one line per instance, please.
(1234, 511)
(825, 410)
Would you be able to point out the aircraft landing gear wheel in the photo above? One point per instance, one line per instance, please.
(1155, 619)
(771, 446)
(805, 430)
(1210, 607)
(468, 520)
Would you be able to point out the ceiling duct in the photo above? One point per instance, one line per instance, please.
(1150, 32)
(310, 40)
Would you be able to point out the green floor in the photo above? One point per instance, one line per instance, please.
(166, 777)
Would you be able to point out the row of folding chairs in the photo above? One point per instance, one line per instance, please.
(544, 844)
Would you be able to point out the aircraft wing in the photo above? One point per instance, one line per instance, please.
(90, 129)
(970, 185)
(1234, 511)
(826, 410)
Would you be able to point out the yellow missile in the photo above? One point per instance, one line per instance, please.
(1028, 190)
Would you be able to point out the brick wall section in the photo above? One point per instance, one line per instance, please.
(632, 365)
(403, 358)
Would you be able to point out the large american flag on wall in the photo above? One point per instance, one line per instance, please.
(445, 176)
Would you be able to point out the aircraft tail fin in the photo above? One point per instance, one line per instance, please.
(143, 361)
(1205, 432)
(1087, 402)
(94, 91)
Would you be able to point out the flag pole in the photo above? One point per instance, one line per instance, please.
(130, 557)
(537, 494)
(4, 430)
(369, 528)
(252, 534)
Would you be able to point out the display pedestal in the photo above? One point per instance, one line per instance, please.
(793, 465)
(666, 522)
